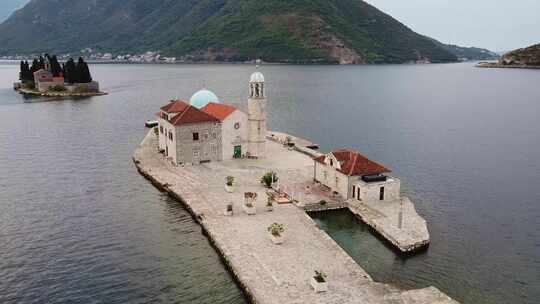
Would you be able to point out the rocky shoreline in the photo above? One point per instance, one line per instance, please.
(496, 65)
(24, 91)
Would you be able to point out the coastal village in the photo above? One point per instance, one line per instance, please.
(251, 190)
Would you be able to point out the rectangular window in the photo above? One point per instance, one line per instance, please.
(358, 194)
(381, 195)
(353, 191)
(205, 136)
(161, 129)
(195, 136)
(170, 135)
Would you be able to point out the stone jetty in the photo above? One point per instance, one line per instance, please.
(270, 273)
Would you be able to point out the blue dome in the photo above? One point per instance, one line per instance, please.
(202, 98)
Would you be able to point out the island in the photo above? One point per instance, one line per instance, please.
(46, 77)
(525, 58)
(252, 191)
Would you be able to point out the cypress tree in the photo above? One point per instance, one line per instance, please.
(83, 72)
(22, 74)
(70, 71)
(56, 69)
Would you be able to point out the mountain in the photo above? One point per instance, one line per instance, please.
(471, 53)
(9, 6)
(529, 56)
(337, 31)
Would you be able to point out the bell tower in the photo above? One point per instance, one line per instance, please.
(257, 116)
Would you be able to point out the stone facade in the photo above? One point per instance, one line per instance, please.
(190, 143)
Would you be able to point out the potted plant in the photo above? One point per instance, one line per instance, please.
(269, 205)
(249, 208)
(276, 233)
(229, 184)
(289, 142)
(249, 203)
(318, 281)
(229, 209)
(269, 179)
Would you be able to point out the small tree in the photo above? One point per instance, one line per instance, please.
(276, 229)
(229, 181)
(269, 178)
(320, 276)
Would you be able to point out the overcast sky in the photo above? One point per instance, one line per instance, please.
(494, 24)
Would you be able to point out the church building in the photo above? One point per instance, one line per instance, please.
(206, 130)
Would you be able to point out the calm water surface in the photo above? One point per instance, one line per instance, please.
(78, 224)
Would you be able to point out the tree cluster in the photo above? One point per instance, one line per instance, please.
(71, 71)
(77, 72)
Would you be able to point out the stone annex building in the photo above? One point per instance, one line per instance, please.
(206, 130)
(355, 177)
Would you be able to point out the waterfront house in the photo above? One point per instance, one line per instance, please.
(353, 176)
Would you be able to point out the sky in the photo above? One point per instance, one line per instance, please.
(498, 25)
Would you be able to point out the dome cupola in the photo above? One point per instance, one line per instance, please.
(256, 77)
(202, 98)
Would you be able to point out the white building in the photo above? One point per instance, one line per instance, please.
(233, 129)
(206, 130)
(257, 116)
(353, 176)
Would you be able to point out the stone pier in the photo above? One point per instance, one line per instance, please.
(270, 273)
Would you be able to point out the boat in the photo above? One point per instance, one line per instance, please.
(151, 123)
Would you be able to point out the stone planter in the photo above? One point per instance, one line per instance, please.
(249, 210)
(229, 189)
(278, 240)
(319, 286)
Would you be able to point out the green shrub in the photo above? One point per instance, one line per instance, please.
(269, 178)
(57, 88)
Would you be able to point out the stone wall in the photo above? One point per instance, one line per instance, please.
(207, 148)
(370, 192)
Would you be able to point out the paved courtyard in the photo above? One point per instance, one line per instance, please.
(271, 273)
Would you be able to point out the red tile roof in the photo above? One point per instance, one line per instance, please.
(187, 114)
(218, 110)
(353, 163)
(175, 106)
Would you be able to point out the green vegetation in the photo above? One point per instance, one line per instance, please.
(529, 56)
(268, 179)
(298, 31)
(58, 88)
(320, 276)
(72, 73)
(276, 229)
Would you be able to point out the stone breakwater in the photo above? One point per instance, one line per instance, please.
(269, 273)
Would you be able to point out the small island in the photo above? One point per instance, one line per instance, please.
(525, 58)
(46, 77)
